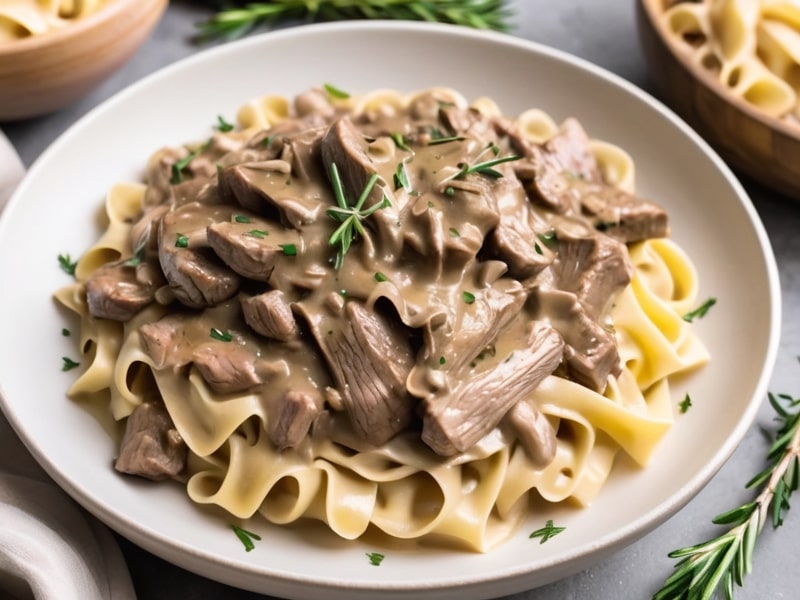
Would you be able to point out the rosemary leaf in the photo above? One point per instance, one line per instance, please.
(243, 17)
(723, 561)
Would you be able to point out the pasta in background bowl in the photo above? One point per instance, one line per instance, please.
(312, 562)
(731, 68)
(53, 52)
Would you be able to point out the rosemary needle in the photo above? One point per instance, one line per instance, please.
(723, 561)
(243, 17)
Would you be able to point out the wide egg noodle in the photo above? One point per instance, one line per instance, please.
(475, 499)
(21, 19)
(751, 46)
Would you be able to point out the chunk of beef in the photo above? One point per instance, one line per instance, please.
(165, 343)
(519, 247)
(345, 145)
(623, 216)
(595, 267)
(114, 292)
(475, 325)
(550, 170)
(196, 276)
(534, 432)
(270, 315)
(249, 249)
(455, 419)
(590, 351)
(268, 188)
(151, 447)
(466, 121)
(295, 413)
(369, 357)
(228, 368)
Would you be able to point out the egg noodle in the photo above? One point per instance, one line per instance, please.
(24, 18)
(475, 498)
(751, 46)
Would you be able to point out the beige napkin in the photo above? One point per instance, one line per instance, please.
(50, 548)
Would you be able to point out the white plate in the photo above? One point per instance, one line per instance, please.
(54, 212)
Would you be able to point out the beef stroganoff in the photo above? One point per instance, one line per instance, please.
(405, 313)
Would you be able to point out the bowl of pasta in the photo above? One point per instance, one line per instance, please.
(53, 53)
(730, 68)
(401, 320)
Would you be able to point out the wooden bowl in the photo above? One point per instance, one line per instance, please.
(42, 73)
(764, 148)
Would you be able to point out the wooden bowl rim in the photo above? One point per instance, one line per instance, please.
(110, 12)
(703, 77)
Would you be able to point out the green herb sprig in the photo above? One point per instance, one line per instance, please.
(244, 17)
(723, 561)
(350, 214)
(547, 532)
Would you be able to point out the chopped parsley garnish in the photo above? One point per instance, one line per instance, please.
(241, 218)
(442, 360)
(181, 240)
(257, 233)
(67, 264)
(454, 232)
(288, 249)
(219, 335)
(685, 404)
(401, 177)
(605, 225)
(223, 125)
(246, 537)
(468, 297)
(380, 277)
(375, 558)
(65, 332)
(700, 311)
(335, 92)
(180, 165)
(400, 141)
(549, 238)
(548, 531)
(68, 364)
(538, 248)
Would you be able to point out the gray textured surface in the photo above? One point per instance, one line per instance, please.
(604, 33)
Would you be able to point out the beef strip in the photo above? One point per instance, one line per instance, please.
(345, 145)
(534, 432)
(228, 368)
(151, 446)
(270, 315)
(369, 357)
(622, 216)
(519, 247)
(460, 415)
(593, 266)
(164, 342)
(196, 276)
(549, 170)
(590, 351)
(250, 249)
(267, 188)
(291, 422)
(114, 292)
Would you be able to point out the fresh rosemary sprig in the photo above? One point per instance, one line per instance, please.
(350, 214)
(236, 22)
(725, 560)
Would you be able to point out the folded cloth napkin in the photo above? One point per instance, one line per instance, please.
(50, 548)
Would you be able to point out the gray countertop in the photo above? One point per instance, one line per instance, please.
(604, 33)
